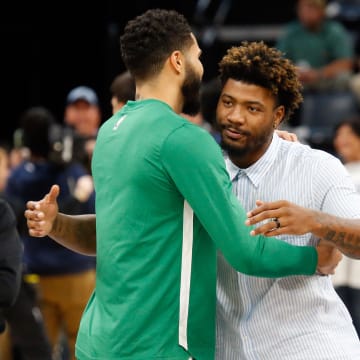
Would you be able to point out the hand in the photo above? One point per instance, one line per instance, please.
(309, 76)
(283, 217)
(286, 135)
(41, 214)
(84, 188)
(329, 258)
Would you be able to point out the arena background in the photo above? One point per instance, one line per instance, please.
(49, 47)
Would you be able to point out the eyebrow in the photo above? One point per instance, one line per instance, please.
(252, 102)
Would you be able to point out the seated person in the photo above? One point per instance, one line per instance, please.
(322, 48)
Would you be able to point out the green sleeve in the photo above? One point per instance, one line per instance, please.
(195, 163)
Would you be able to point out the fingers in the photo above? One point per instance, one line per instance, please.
(273, 227)
(34, 220)
(268, 215)
(35, 227)
(34, 215)
(265, 208)
(32, 205)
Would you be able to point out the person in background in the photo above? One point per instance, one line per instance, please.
(83, 115)
(10, 263)
(346, 278)
(322, 49)
(82, 111)
(302, 187)
(122, 89)
(64, 279)
(157, 226)
(205, 117)
(209, 96)
(25, 337)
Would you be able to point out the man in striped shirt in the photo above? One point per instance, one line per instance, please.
(293, 318)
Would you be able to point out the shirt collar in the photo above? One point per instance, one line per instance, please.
(258, 170)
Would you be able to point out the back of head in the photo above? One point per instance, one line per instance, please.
(209, 96)
(255, 63)
(35, 124)
(150, 38)
(123, 87)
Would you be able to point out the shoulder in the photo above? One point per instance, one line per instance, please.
(292, 27)
(7, 216)
(304, 153)
(188, 133)
(188, 140)
(334, 27)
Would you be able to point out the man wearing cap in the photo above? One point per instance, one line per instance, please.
(82, 111)
(83, 115)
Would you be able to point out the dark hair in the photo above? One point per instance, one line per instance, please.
(256, 63)
(209, 96)
(123, 87)
(35, 124)
(150, 38)
(352, 122)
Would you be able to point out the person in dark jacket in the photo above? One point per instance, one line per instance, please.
(10, 260)
(65, 279)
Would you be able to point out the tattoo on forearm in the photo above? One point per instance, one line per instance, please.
(77, 235)
(348, 243)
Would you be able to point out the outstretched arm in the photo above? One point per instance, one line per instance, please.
(76, 232)
(342, 233)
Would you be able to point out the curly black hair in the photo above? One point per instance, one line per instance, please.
(150, 38)
(258, 64)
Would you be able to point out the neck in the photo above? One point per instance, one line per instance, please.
(250, 155)
(163, 90)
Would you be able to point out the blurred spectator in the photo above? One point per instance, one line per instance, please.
(322, 49)
(15, 203)
(65, 279)
(206, 117)
(10, 260)
(83, 115)
(122, 89)
(355, 85)
(82, 111)
(209, 96)
(347, 276)
(26, 338)
(4, 167)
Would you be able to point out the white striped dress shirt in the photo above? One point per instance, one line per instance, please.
(296, 317)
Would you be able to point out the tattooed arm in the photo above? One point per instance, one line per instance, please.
(76, 232)
(342, 233)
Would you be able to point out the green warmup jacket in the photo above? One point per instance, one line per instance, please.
(164, 206)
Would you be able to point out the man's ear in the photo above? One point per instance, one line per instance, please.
(176, 60)
(279, 116)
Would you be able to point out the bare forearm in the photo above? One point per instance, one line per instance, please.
(336, 68)
(343, 233)
(76, 232)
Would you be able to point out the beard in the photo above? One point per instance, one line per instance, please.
(191, 92)
(253, 144)
(233, 150)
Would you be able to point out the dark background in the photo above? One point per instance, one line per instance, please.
(49, 48)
